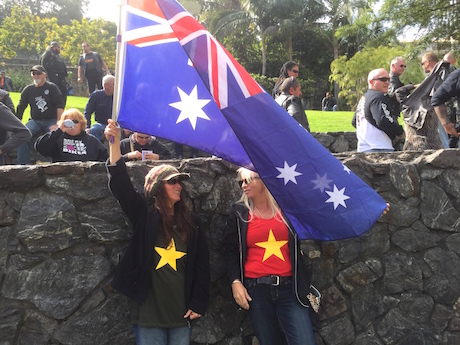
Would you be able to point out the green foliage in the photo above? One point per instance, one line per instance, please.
(64, 10)
(19, 78)
(351, 74)
(23, 34)
(438, 19)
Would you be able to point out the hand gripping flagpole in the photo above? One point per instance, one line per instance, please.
(117, 68)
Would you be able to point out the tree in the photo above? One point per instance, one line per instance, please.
(23, 34)
(64, 10)
(432, 19)
(351, 74)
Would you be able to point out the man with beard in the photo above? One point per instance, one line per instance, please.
(46, 108)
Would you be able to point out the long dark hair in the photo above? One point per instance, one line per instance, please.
(181, 217)
(283, 75)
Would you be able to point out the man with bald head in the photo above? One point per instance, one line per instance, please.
(376, 126)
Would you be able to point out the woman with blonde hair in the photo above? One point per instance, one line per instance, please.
(266, 267)
(69, 142)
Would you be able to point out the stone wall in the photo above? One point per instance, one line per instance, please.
(62, 234)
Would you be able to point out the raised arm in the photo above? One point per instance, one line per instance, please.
(113, 134)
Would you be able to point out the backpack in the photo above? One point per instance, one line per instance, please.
(416, 105)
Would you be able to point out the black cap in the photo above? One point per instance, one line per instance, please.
(38, 68)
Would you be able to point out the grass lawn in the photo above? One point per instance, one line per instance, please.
(320, 121)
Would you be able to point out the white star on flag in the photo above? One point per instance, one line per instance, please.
(190, 107)
(321, 182)
(288, 173)
(346, 169)
(337, 197)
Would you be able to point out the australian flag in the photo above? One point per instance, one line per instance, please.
(179, 83)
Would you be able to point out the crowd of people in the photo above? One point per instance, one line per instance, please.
(428, 108)
(168, 280)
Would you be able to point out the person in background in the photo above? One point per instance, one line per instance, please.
(132, 147)
(169, 286)
(100, 103)
(289, 69)
(328, 103)
(265, 266)
(452, 104)
(290, 100)
(56, 68)
(5, 98)
(91, 65)
(376, 126)
(10, 123)
(46, 107)
(69, 142)
(5, 82)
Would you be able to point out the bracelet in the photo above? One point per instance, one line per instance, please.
(236, 281)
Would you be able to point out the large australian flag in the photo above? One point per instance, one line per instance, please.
(179, 83)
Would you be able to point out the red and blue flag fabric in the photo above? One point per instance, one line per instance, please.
(177, 82)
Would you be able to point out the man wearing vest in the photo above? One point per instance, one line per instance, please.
(91, 65)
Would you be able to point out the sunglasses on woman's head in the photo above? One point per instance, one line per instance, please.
(247, 181)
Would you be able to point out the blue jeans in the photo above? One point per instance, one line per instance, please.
(36, 127)
(162, 336)
(275, 306)
(97, 130)
(443, 135)
(378, 150)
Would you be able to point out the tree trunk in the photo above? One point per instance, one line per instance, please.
(264, 53)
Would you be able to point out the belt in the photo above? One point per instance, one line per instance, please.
(271, 280)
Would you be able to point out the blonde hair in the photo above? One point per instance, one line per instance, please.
(74, 114)
(249, 175)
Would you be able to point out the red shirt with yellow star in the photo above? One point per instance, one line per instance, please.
(268, 249)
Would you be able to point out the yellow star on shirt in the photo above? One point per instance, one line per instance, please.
(168, 256)
(272, 247)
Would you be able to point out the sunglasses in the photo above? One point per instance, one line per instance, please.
(247, 181)
(143, 137)
(173, 180)
(295, 71)
(36, 73)
(402, 66)
(74, 121)
(423, 62)
(382, 79)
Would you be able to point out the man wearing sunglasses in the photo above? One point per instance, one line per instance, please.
(141, 146)
(46, 107)
(376, 127)
(397, 68)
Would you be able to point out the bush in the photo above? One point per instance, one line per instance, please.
(20, 78)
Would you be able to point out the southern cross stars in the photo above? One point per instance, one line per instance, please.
(338, 197)
(191, 107)
(288, 173)
(321, 182)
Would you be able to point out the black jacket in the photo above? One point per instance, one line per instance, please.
(293, 105)
(133, 273)
(235, 251)
(62, 147)
(448, 89)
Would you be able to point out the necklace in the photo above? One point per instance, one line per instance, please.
(261, 215)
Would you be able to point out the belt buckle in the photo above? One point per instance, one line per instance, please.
(277, 280)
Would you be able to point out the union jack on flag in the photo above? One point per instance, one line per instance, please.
(179, 83)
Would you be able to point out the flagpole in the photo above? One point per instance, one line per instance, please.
(117, 64)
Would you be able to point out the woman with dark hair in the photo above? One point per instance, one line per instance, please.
(165, 268)
(289, 69)
(265, 266)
